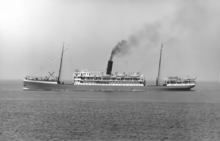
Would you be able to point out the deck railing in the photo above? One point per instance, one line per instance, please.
(40, 78)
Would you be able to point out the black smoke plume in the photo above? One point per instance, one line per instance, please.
(191, 21)
(148, 34)
(120, 49)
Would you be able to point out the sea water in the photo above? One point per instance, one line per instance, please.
(75, 115)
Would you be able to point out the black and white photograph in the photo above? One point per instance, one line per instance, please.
(109, 70)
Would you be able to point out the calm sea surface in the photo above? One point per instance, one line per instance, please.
(74, 115)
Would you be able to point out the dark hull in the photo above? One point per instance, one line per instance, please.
(28, 85)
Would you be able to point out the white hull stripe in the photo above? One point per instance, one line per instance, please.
(35, 81)
(180, 84)
(93, 84)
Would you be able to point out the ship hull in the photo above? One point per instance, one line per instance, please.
(37, 85)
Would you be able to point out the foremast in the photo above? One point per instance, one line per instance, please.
(158, 76)
(61, 61)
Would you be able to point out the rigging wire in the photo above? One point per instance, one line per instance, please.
(150, 61)
(70, 60)
(149, 64)
(152, 65)
(42, 66)
(49, 58)
(47, 64)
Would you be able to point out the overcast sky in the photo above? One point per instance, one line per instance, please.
(31, 31)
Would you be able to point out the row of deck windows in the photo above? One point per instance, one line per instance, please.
(122, 82)
(99, 78)
(174, 82)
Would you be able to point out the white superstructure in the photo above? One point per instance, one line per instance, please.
(179, 81)
(85, 77)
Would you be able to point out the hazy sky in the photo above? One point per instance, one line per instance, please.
(31, 31)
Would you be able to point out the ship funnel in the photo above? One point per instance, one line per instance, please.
(109, 67)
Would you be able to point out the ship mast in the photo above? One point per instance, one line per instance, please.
(158, 77)
(61, 60)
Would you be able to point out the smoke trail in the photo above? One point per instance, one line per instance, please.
(190, 21)
(120, 49)
(149, 34)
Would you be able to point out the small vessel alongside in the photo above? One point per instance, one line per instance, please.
(85, 80)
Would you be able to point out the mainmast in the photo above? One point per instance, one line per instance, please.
(61, 61)
(158, 76)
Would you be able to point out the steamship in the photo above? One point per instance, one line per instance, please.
(85, 80)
